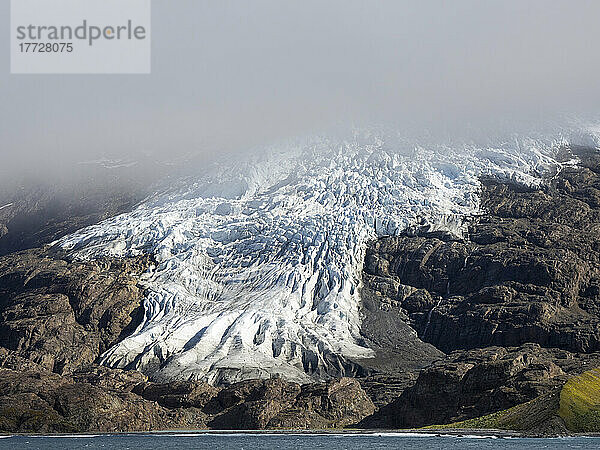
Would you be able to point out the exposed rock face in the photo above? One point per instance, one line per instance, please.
(274, 403)
(100, 399)
(528, 272)
(35, 400)
(326, 405)
(63, 314)
(477, 382)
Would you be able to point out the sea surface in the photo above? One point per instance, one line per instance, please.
(214, 441)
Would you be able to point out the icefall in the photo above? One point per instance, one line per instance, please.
(259, 262)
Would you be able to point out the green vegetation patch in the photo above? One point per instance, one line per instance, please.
(580, 402)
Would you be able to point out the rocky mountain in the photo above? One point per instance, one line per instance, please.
(63, 315)
(513, 304)
(528, 272)
(259, 261)
(450, 326)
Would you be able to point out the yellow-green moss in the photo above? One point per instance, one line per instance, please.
(580, 402)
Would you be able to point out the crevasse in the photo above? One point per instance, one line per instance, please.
(259, 261)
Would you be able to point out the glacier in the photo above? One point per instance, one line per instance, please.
(258, 261)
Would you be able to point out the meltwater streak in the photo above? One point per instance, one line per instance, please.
(259, 262)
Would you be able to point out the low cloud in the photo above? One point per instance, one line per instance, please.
(228, 76)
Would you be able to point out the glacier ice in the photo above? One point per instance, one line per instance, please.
(258, 262)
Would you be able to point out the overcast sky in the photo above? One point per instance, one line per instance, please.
(229, 75)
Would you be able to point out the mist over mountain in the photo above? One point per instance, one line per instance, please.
(228, 77)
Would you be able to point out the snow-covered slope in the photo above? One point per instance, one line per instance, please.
(259, 262)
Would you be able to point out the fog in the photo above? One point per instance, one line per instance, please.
(228, 76)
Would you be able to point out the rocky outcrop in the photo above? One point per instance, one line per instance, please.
(63, 314)
(474, 383)
(100, 399)
(529, 270)
(274, 403)
(35, 400)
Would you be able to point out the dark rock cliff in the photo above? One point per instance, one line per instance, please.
(99, 399)
(61, 314)
(515, 302)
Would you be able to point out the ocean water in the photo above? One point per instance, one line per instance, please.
(214, 441)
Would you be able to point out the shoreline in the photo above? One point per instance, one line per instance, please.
(450, 432)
